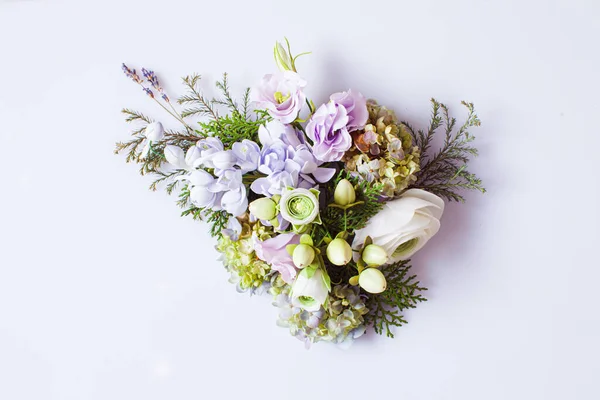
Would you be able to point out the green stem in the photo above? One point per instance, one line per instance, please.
(174, 114)
(345, 221)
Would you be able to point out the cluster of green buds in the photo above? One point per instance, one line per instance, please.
(339, 251)
(369, 277)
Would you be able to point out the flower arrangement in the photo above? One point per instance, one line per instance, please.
(321, 207)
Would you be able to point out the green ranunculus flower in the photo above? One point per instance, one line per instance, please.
(300, 206)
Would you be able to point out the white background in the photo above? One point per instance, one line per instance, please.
(106, 294)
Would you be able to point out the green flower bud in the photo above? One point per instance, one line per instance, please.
(283, 58)
(344, 193)
(263, 208)
(303, 255)
(339, 252)
(374, 255)
(372, 280)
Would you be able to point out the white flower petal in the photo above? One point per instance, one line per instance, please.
(192, 155)
(415, 215)
(429, 197)
(175, 156)
(154, 132)
(201, 197)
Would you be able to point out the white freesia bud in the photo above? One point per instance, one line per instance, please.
(282, 58)
(154, 132)
(339, 252)
(193, 154)
(404, 225)
(374, 255)
(303, 255)
(224, 159)
(175, 156)
(344, 193)
(372, 280)
(263, 208)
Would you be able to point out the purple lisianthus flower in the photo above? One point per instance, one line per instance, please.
(273, 252)
(356, 108)
(274, 131)
(328, 130)
(247, 154)
(281, 95)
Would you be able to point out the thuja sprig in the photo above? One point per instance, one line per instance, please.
(216, 219)
(368, 198)
(403, 292)
(194, 101)
(232, 128)
(227, 99)
(132, 115)
(444, 172)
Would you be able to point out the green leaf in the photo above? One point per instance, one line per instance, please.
(306, 239)
(326, 279)
(309, 271)
(290, 248)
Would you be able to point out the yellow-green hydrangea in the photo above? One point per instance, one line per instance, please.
(383, 152)
(340, 321)
(239, 258)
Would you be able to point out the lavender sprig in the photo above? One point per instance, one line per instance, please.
(131, 74)
(151, 77)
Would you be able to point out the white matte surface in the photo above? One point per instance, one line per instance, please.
(105, 293)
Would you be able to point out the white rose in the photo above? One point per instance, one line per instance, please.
(404, 225)
(310, 293)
